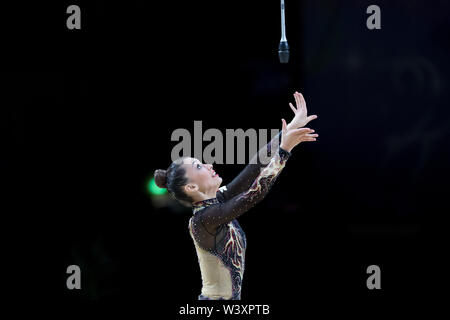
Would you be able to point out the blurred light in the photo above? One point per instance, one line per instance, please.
(154, 189)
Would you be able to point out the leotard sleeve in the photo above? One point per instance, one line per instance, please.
(247, 176)
(230, 207)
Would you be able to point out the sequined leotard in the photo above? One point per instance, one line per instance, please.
(219, 240)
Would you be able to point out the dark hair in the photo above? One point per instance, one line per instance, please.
(174, 179)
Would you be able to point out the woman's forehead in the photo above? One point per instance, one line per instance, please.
(189, 160)
(188, 164)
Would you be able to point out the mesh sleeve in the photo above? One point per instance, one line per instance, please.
(211, 220)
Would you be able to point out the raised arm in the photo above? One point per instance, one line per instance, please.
(221, 213)
(246, 177)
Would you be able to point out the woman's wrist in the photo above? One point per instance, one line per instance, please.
(285, 147)
(284, 154)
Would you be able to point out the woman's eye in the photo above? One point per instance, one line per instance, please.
(199, 166)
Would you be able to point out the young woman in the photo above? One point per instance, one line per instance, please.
(219, 240)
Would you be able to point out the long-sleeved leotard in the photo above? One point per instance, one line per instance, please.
(218, 238)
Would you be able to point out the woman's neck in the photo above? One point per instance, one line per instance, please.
(205, 196)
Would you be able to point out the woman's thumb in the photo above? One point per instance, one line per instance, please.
(283, 124)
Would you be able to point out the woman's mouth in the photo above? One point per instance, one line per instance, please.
(214, 174)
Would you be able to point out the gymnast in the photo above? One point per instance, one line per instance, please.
(219, 240)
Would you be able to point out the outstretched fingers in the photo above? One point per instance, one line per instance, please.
(283, 126)
(293, 108)
(302, 102)
(306, 134)
(297, 101)
(302, 131)
(310, 137)
(309, 118)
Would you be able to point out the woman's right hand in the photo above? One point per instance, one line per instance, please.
(292, 137)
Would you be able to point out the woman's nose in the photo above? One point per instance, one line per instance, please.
(209, 166)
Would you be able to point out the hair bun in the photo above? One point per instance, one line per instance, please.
(161, 178)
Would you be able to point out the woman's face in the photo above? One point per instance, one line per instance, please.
(203, 175)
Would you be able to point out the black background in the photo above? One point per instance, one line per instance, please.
(87, 115)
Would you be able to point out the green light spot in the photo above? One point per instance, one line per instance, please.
(154, 189)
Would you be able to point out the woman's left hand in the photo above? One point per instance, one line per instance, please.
(301, 117)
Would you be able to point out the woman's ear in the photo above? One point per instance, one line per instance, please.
(191, 187)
